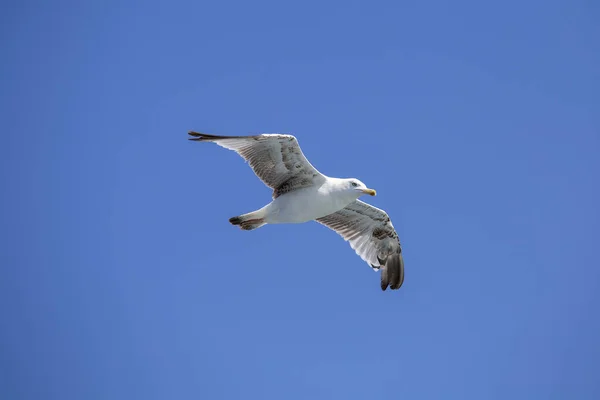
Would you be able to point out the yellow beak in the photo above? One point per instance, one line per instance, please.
(370, 192)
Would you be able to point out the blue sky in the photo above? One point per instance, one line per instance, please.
(477, 124)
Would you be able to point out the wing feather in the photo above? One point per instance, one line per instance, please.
(372, 236)
(275, 158)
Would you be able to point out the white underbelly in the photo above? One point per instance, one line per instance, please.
(303, 205)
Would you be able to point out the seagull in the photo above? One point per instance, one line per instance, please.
(302, 194)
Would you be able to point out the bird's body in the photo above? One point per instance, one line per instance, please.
(307, 204)
(302, 194)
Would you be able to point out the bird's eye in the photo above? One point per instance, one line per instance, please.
(354, 184)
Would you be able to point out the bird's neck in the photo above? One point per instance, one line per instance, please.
(338, 190)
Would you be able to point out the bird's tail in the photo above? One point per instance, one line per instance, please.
(249, 221)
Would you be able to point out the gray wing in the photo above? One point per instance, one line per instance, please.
(372, 235)
(276, 159)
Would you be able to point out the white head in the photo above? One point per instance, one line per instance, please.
(358, 188)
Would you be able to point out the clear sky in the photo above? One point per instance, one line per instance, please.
(121, 278)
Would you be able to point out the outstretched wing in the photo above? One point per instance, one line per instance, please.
(373, 237)
(276, 159)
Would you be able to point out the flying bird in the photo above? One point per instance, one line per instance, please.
(302, 194)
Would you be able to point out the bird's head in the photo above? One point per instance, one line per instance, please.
(359, 188)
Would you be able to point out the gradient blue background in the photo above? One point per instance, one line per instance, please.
(121, 278)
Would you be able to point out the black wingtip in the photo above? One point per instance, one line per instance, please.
(384, 278)
(397, 267)
(392, 273)
(195, 136)
(211, 138)
(205, 136)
